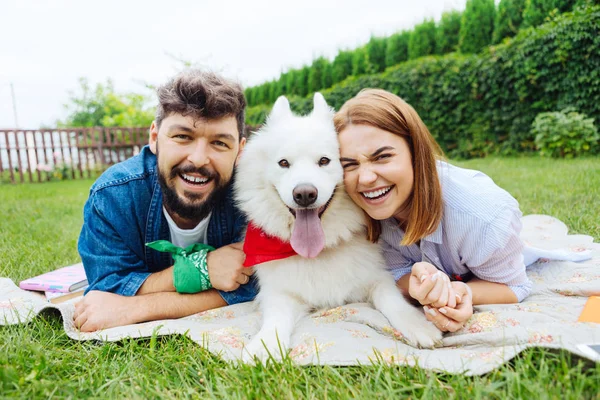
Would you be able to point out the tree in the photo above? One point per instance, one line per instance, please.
(477, 25)
(359, 61)
(315, 74)
(448, 32)
(342, 66)
(508, 19)
(249, 98)
(376, 54)
(291, 81)
(102, 106)
(261, 96)
(302, 81)
(536, 11)
(422, 40)
(283, 82)
(327, 79)
(397, 48)
(274, 91)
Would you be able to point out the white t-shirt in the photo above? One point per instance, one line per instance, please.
(185, 237)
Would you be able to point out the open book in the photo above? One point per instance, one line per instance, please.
(60, 297)
(65, 280)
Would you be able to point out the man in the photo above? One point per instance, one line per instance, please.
(179, 188)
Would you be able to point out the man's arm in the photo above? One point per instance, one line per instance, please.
(225, 271)
(102, 310)
(157, 282)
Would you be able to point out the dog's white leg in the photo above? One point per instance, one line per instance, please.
(280, 315)
(409, 320)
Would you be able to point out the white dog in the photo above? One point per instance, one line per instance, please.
(290, 185)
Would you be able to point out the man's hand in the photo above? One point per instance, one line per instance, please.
(101, 310)
(225, 268)
(449, 319)
(430, 286)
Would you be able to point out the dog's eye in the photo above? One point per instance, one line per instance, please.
(284, 163)
(324, 161)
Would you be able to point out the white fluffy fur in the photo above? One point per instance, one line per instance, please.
(349, 269)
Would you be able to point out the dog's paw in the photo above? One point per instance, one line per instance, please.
(425, 335)
(418, 331)
(260, 349)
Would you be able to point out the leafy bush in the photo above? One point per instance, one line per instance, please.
(480, 104)
(565, 134)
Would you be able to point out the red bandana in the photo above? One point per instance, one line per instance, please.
(260, 247)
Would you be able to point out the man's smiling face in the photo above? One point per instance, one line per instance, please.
(196, 158)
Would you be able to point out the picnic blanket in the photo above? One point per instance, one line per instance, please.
(357, 334)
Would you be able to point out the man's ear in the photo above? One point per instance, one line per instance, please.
(153, 137)
(240, 151)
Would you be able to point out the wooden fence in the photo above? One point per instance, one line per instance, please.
(46, 154)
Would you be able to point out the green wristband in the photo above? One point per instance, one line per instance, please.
(190, 271)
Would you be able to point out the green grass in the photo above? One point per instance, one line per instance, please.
(39, 226)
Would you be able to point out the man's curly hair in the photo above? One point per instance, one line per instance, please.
(202, 95)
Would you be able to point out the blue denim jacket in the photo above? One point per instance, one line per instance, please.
(124, 212)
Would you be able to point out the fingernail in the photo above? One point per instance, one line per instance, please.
(432, 312)
(434, 277)
(458, 297)
(423, 277)
(442, 310)
(426, 308)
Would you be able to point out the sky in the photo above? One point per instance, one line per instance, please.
(46, 46)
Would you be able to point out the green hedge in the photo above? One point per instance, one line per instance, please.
(485, 103)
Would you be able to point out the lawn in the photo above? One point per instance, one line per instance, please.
(39, 225)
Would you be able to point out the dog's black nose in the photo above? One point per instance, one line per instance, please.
(305, 194)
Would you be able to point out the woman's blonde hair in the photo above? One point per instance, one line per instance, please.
(384, 110)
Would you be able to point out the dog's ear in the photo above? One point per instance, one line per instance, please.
(281, 108)
(321, 108)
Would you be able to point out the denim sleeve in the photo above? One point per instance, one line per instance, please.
(110, 265)
(242, 294)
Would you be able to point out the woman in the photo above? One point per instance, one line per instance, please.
(450, 235)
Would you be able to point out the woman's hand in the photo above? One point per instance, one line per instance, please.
(430, 286)
(449, 319)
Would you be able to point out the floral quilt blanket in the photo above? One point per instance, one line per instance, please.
(358, 334)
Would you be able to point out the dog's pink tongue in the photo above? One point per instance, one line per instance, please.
(308, 238)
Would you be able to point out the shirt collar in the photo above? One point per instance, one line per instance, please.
(436, 236)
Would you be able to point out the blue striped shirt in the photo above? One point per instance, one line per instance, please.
(478, 233)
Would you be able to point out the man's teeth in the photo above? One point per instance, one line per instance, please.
(376, 193)
(194, 178)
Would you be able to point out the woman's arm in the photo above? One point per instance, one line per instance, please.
(486, 292)
(494, 255)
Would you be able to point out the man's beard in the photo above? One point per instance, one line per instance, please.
(198, 210)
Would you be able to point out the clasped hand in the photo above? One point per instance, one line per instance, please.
(225, 267)
(449, 305)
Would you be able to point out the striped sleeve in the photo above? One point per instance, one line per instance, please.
(395, 261)
(495, 253)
